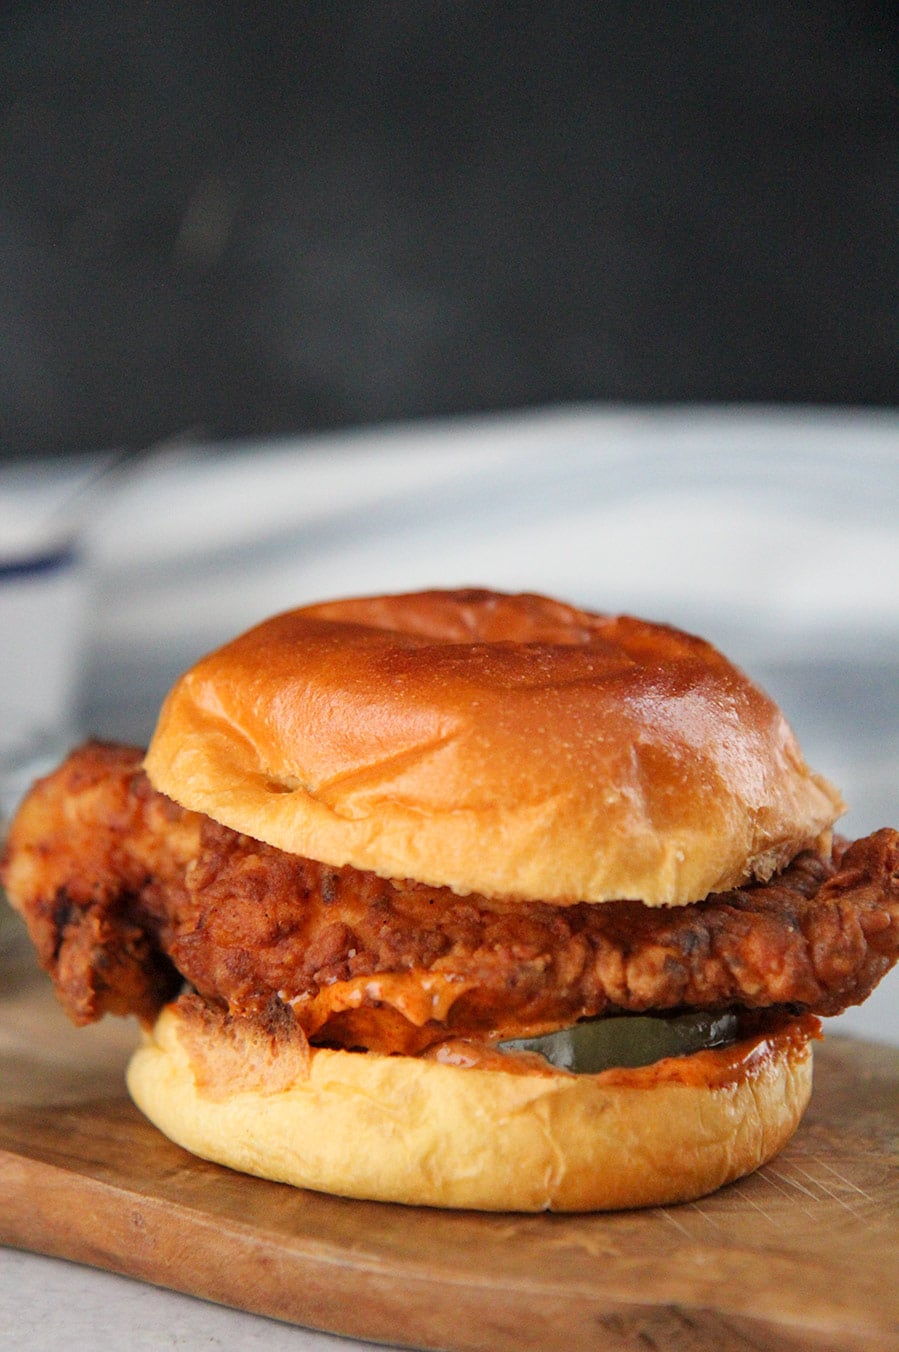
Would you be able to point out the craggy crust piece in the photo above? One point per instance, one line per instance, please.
(508, 745)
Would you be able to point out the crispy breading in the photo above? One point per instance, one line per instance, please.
(126, 894)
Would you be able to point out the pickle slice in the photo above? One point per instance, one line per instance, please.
(628, 1040)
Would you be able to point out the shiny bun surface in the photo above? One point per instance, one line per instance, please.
(506, 745)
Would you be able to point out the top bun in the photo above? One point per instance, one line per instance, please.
(508, 745)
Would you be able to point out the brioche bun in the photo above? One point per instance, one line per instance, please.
(508, 745)
(411, 1130)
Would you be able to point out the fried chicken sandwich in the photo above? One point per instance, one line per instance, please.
(463, 899)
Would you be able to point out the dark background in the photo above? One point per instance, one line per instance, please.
(269, 218)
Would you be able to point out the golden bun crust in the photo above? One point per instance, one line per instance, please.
(438, 1135)
(508, 745)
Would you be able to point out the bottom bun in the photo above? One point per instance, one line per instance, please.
(417, 1131)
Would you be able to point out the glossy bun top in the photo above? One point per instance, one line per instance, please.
(508, 745)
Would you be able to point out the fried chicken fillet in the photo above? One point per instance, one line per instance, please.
(130, 898)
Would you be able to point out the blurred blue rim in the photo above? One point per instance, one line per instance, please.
(49, 561)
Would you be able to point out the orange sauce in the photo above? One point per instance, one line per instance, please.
(418, 996)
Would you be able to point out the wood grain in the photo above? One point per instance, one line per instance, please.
(802, 1255)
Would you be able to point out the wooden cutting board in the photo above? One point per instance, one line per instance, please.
(803, 1255)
